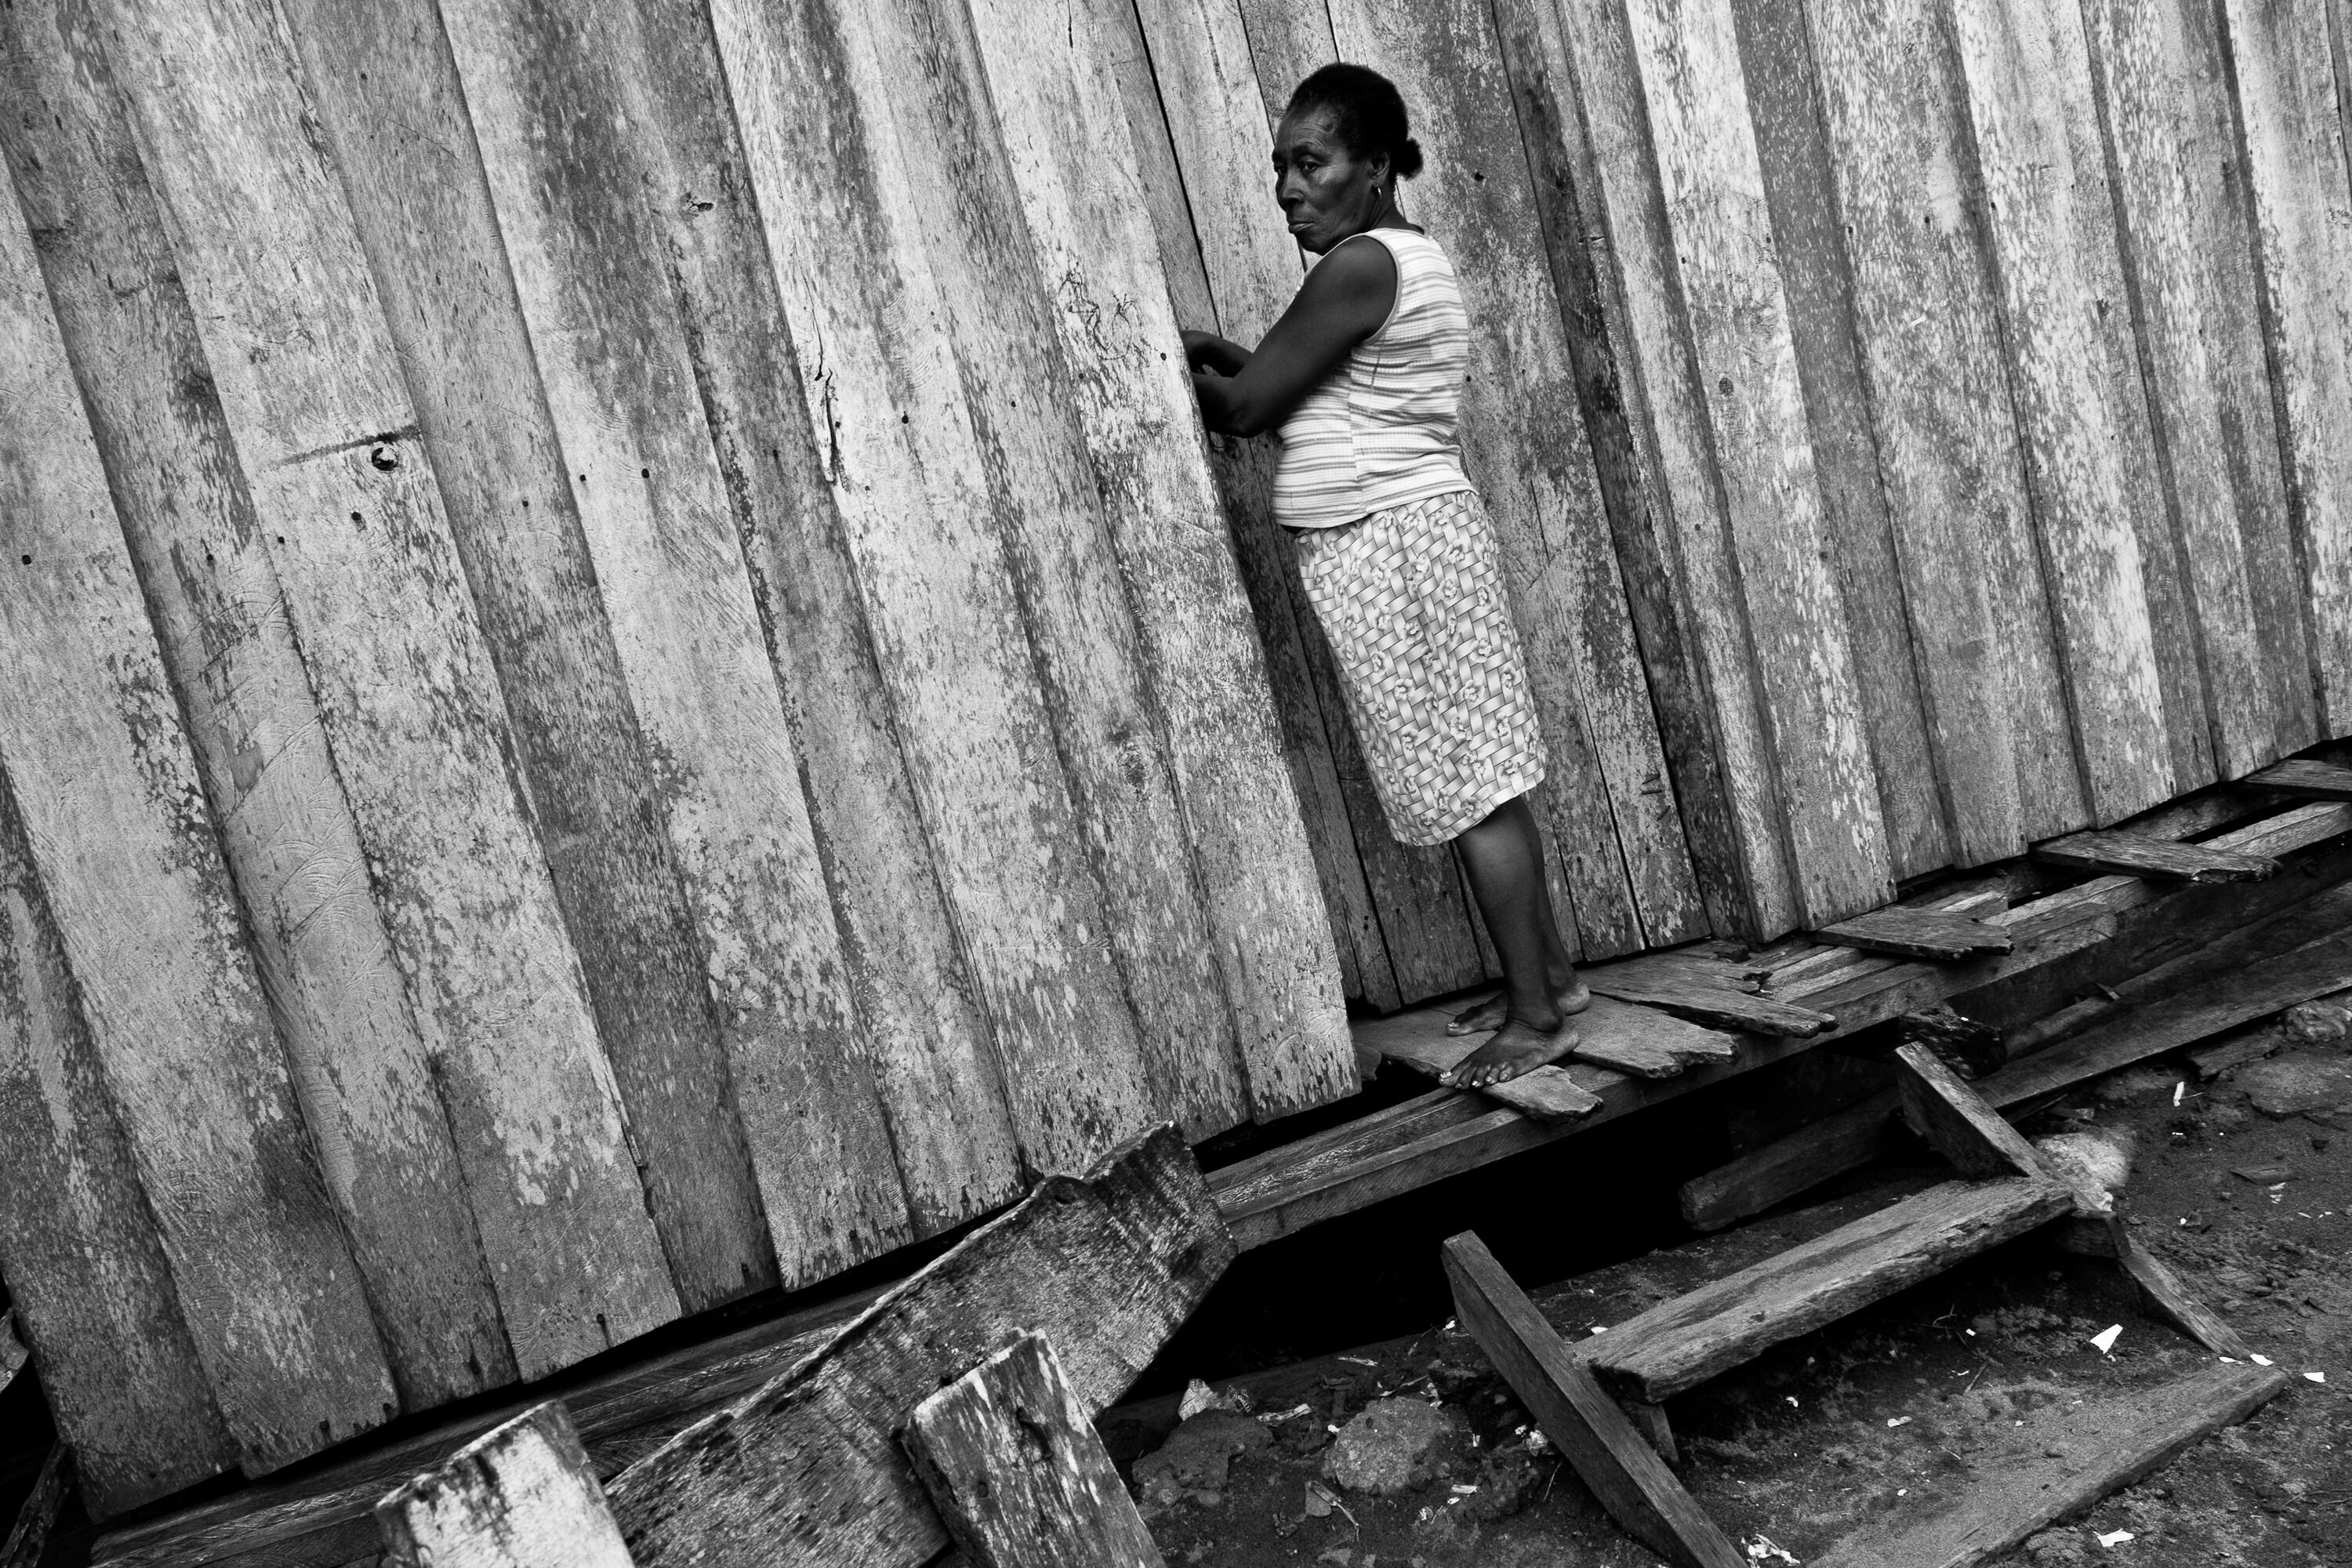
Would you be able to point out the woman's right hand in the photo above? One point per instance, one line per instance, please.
(1200, 348)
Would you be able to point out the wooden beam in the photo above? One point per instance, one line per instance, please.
(1681, 1344)
(1954, 1119)
(36, 1515)
(523, 1496)
(2106, 1448)
(2135, 855)
(1017, 1472)
(1108, 1267)
(1582, 1422)
(1919, 933)
(2310, 780)
(1842, 1141)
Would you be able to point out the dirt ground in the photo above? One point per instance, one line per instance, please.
(2244, 1185)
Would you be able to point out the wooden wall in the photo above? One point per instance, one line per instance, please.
(627, 686)
(1961, 383)
(629, 681)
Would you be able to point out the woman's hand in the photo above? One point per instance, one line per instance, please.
(1206, 350)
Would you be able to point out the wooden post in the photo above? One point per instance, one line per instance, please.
(1953, 1118)
(1631, 1480)
(1018, 1473)
(521, 1496)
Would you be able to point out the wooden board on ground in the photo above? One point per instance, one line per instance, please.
(1582, 1422)
(1918, 933)
(1956, 1122)
(2051, 1474)
(2161, 1288)
(1107, 1266)
(1019, 1476)
(520, 1496)
(1683, 1342)
(2137, 855)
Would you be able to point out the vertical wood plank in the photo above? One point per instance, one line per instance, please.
(922, 1026)
(345, 494)
(563, 103)
(1930, 350)
(85, 1266)
(1288, 39)
(1059, 113)
(1608, 805)
(2181, 250)
(1066, 571)
(116, 828)
(2049, 217)
(522, 1495)
(1191, 102)
(1800, 191)
(901, 462)
(367, 1087)
(396, 122)
(2289, 124)
(1017, 1472)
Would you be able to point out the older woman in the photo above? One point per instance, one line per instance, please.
(1363, 378)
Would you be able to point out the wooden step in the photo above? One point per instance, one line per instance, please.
(1681, 1343)
(2138, 855)
(2312, 781)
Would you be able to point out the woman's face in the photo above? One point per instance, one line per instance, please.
(1326, 192)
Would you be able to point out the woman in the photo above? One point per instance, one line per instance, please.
(1362, 376)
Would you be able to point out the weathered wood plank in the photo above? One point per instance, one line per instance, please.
(1816, 280)
(1918, 933)
(2291, 134)
(523, 1496)
(1018, 1474)
(1842, 1141)
(2137, 855)
(1545, 1093)
(805, 1471)
(397, 125)
(2130, 663)
(569, 103)
(78, 1243)
(1615, 841)
(1683, 1342)
(2312, 781)
(115, 828)
(1058, 113)
(284, 810)
(2163, 1291)
(1583, 1423)
(13, 1353)
(310, 388)
(1956, 1122)
(36, 1515)
(901, 462)
(1696, 998)
(2186, 247)
(1756, 520)
(2108, 1447)
(1929, 346)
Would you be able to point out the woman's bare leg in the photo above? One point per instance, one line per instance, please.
(1503, 858)
(1568, 991)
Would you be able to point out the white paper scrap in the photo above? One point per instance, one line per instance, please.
(2116, 1537)
(2260, 1359)
(2315, 1377)
(2103, 1342)
(1898, 1421)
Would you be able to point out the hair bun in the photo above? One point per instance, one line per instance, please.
(1408, 159)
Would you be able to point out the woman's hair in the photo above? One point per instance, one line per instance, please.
(1367, 111)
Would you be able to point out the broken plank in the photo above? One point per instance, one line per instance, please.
(2107, 1446)
(36, 1515)
(2135, 855)
(1017, 1472)
(1419, 1040)
(522, 1496)
(807, 1469)
(1954, 1119)
(1681, 1343)
(1594, 1435)
(1645, 1042)
(1918, 933)
(2164, 1293)
(2299, 776)
(2262, 988)
(1707, 1001)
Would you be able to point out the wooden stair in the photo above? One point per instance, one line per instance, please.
(1680, 1344)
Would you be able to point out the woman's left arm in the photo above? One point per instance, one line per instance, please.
(1343, 301)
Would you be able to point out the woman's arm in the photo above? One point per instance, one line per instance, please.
(1343, 301)
(1206, 350)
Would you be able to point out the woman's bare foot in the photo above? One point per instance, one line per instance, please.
(1517, 1047)
(1496, 1010)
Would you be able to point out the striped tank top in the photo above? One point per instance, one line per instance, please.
(1379, 430)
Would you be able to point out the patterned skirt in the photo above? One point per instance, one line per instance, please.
(1411, 601)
